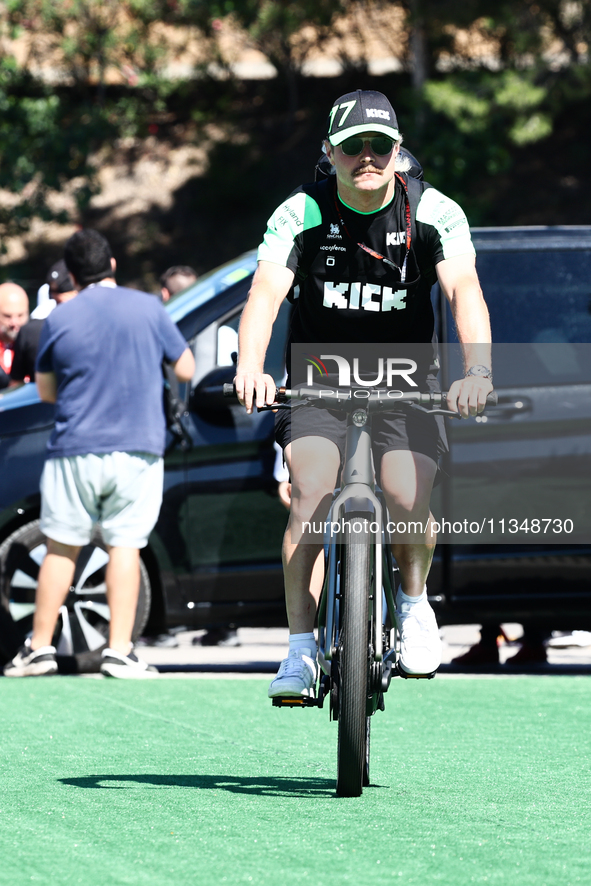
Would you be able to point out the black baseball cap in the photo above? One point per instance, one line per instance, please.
(58, 277)
(361, 111)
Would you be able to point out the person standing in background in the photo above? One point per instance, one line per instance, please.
(176, 279)
(14, 313)
(100, 361)
(61, 290)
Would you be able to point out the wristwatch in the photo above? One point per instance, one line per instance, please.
(479, 371)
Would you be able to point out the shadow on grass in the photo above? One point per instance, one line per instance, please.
(235, 784)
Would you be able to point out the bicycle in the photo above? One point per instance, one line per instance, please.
(358, 648)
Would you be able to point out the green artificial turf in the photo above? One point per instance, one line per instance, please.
(201, 781)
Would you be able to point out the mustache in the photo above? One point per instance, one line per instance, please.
(361, 169)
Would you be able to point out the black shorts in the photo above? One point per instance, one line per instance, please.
(404, 429)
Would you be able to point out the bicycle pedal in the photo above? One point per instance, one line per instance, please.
(296, 701)
(402, 673)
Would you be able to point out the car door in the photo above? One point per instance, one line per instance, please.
(233, 522)
(521, 474)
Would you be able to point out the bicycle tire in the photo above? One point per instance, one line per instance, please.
(352, 764)
(366, 780)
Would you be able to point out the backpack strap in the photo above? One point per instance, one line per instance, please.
(414, 190)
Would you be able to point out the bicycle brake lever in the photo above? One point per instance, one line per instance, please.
(273, 407)
(435, 411)
(443, 412)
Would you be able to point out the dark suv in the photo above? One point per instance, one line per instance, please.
(214, 555)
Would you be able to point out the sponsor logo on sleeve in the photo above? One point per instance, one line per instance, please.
(289, 216)
(452, 218)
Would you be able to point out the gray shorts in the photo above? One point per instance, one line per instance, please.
(120, 490)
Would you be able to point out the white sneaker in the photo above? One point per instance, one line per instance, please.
(296, 675)
(576, 638)
(27, 663)
(420, 645)
(126, 667)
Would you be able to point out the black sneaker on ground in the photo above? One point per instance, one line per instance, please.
(29, 663)
(126, 667)
(219, 637)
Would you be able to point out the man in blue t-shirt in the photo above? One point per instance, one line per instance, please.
(100, 361)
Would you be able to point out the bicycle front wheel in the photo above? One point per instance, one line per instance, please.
(352, 765)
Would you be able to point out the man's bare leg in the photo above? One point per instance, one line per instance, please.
(313, 469)
(123, 587)
(414, 562)
(55, 579)
(407, 480)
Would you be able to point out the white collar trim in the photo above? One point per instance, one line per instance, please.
(110, 283)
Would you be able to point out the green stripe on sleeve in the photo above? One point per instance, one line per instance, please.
(449, 220)
(299, 213)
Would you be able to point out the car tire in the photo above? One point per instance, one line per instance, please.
(83, 625)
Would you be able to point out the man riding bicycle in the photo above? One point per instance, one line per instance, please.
(365, 246)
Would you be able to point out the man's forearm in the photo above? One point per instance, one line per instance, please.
(254, 333)
(476, 355)
(473, 327)
(270, 286)
(46, 386)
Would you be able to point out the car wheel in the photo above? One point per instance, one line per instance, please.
(82, 628)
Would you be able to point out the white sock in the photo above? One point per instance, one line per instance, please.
(303, 641)
(401, 597)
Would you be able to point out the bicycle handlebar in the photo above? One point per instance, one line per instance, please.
(361, 397)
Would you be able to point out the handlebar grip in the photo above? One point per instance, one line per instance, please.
(229, 390)
(492, 399)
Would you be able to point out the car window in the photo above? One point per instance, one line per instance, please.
(275, 360)
(227, 341)
(213, 346)
(538, 295)
(209, 285)
(539, 300)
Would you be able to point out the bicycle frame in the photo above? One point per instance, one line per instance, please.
(357, 495)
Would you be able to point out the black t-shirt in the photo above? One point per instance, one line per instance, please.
(25, 351)
(346, 294)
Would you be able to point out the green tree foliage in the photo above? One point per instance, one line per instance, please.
(45, 142)
(49, 133)
(86, 37)
(274, 26)
(283, 30)
(501, 90)
(476, 103)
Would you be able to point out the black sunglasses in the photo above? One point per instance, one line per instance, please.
(379, 144)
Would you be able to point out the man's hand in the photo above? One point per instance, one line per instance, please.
(254, 389)
(468, 395)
